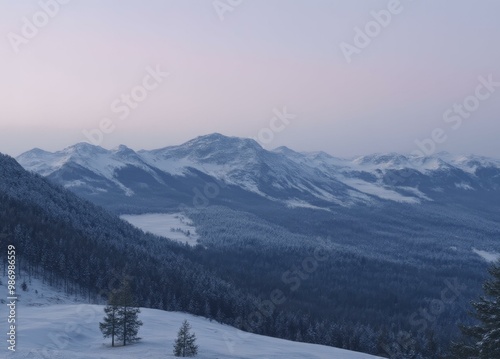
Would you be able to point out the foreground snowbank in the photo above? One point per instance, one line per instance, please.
(52, 325)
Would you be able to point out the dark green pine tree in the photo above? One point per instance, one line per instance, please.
(130, 324)
(121, 320)
(111, 326)
(185, 344)
(482, 341)
(128, 315)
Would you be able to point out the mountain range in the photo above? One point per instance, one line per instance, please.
(244, 169)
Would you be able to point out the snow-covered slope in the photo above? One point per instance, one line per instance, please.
(99, 161)
(71, 330)
(315, 180)
(175, 226)
(94, 158)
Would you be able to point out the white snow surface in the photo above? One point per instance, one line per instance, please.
(379, 191)
(297, 203)
(487, 256)
(170, 225)
(70, 329)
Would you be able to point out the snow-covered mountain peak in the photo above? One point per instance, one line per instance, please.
(84, 149)
(211, 149)
(388, 159)
(282, 174)
(122, 149)
(285, 151)
(472, 162)
(218, 143)
(320, 155)
(35, 152)
(126, 154)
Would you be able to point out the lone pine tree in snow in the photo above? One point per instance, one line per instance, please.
(184, 345)
(110, 327)
(121, 320)
(482, 341)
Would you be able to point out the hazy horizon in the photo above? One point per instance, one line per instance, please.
(430, 72)
(137, 149)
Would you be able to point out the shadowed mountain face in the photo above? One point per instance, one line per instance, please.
(243, 171)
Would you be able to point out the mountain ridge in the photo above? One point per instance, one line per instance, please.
(282, 175)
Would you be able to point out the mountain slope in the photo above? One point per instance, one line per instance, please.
(83, 248)
(282, 176)
(70, 329)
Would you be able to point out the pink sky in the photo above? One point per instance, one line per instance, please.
(228, 76)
